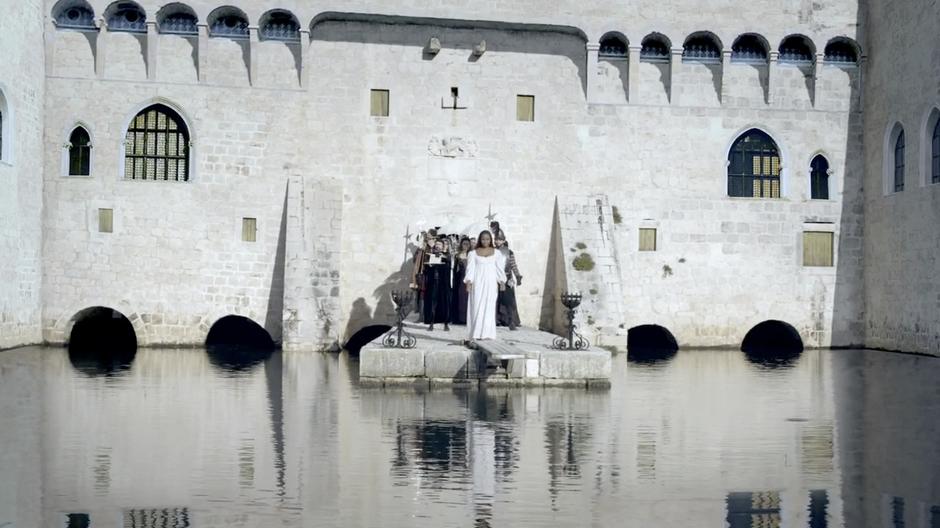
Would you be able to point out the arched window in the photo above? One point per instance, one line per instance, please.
(74, 14)
(841, 51)
(749, 48)
(899, 163)
(177, 19)
(796, 49)
(702, 47)
(754, 166)
(228, 22)
(127, 17)
(612, 47)
(157, 146)
(819, 178)
(655, 48)
(935, 154)
(79, 152)
(280, 25)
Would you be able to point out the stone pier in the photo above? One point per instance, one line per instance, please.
(521, 357)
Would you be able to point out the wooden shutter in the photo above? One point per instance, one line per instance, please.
(817, 248)
(105, 220)
(647, 239)
(379, 103)
(249, 229)
(525, 108)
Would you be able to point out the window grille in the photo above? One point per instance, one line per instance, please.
(281, 26)
(79, 153)
(654, 50)
(76, 17)
(840, 52)
(613, 48)
(157, 146)
(232, 26)
(750, 49)
(817, 248)
(746, 509)
(156, 518)
(899, 163)
(795, 50)
(179, 24)
(935, 154)
(754, 166)
(819, 178)
(378, 103)
(701, 49)
(525, 108)
(128, 18)
(77, 520)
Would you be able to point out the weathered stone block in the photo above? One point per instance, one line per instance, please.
(585, 364)
(377, 362)
(449, 362)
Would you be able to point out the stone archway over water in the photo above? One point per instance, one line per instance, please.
(237, 343)
(650, 343)
(102, 341)
(772, 343)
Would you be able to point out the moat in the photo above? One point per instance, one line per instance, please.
(701, 438)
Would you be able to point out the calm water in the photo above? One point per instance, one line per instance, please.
(706, 438)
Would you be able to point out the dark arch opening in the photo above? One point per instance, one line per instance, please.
(102, 342)
(237, 343)
(650, 344)
(772, 343)
(364, 336)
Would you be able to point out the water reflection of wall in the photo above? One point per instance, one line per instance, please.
(174, 438)
(20, 461)
(891, 403)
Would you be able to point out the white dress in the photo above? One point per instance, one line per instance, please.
(485, 274)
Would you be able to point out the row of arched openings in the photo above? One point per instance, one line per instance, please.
(747, 48)
(176, 19)
(156, 147)
(896, 153)
(754, 168)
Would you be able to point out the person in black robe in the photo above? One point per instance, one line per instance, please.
(458, 314)
(437, 290)
(507, 314)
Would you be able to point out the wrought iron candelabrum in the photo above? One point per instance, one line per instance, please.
(397, 337)
(574, 341)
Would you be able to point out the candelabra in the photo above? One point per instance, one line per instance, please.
(397, 337)
(574, 341)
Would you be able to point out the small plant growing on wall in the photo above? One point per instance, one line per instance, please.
(583, 262)
(581, 245)
(616, 212)
(667, 270)
(593, 291)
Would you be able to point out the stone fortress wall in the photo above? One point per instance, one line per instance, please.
(282, 133)
(21, 107)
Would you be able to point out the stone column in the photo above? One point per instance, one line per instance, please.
(304, 57)
(675, 62)
(591, 73)
(253, 55)
(153, 42)
(817, 71)
(101, 48)
(202, 52)
(772, 65)
(725, 68)
(633, 71)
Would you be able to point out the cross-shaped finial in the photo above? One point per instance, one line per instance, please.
(490, 215)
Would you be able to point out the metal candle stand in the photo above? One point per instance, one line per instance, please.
(574, 341)
(398, 337)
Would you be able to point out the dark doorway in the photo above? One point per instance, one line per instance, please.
(650, 344)
(236, 343)
(102, 342)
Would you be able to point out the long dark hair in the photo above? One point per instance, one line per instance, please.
(480, 239)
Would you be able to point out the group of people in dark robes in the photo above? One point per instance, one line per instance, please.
(438, 276)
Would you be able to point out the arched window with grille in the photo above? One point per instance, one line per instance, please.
(613, 46)
(655, 48)
(899, 163)
(754, 166)
(935, 154)
(157, 146)
(819, 178)
(79, 152)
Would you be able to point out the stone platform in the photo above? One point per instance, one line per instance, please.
(520, 357)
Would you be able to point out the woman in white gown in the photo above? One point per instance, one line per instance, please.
(484, 278)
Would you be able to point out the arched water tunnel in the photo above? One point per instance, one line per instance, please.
(772, 344)
(364, 336)
(650, 344)
(102, 342)
(237, 343)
